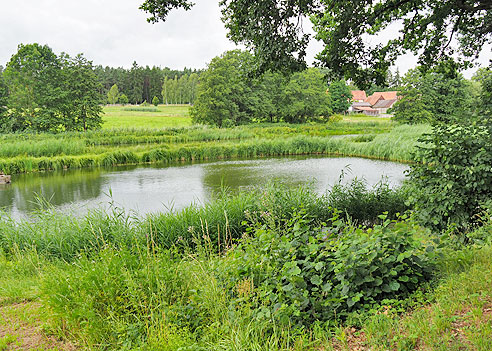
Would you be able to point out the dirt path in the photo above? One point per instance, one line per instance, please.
(21, 328)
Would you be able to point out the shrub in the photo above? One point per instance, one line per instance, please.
(452, 178)
(123, 99)
(301, 273)
(155, 101)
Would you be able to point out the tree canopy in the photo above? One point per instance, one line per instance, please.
(435, 30)
(229, 95)
(50, 93)
(433, 96)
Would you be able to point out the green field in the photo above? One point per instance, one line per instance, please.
(127, 117)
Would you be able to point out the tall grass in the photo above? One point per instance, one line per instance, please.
(47, 147)
(44, 152)
(141, 109)
(64, 236)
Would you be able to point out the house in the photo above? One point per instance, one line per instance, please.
(374, 105)
(382, 106)
(381, 95)
(358, 95)
(365, 108)
(355, 106)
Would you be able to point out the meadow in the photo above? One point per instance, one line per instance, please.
(273, 268)
(146, 117)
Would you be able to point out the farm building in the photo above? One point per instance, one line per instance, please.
(384, 105)
(358, 95)
(374, 105)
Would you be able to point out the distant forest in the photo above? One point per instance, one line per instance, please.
(141, 84)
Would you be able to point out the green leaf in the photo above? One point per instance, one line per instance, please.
(316, 280)
(394, 285)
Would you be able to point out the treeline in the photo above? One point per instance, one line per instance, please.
(142, 84)
(230, 94)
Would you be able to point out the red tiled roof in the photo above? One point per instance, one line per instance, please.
(381, 95)
(359, 95)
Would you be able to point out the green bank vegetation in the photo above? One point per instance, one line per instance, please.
(272, 269)
(31, 153)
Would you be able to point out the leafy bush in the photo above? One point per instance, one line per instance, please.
(301, 273)
(452, 178)
(155, 101)
(123, 99)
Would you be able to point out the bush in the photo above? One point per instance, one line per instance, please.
(452, 178)
(302, 273)
(123, 99)
(155, 101)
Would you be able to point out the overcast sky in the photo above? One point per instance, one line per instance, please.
(116, 33)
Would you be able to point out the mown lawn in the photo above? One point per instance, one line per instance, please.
(128, 116)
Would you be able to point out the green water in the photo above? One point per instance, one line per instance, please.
(146, 189)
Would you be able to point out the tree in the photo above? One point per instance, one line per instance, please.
(136, 84)
(486, 96)
(340, 96)
(3, 103)
(304, 97)
(193, 82)
(483, 77)
(433, 96)
(81, 110)
(33, 77)
(155, 101)
(224, 95)
(113, 94)
(50, 93)
(123, 99)
(435, 30)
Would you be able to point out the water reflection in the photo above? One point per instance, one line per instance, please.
(152, 188)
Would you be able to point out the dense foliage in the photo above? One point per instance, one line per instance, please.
(273, 29)
(452, 179)
(340, 96)
(362, 204)
(305, 98)
(229, 95)
(50, 93)
(283, 275)
(180, 91)
(309, 273)
(484, 76)
(434, 96)
(140, 84)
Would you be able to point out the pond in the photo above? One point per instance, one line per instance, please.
(146, 189)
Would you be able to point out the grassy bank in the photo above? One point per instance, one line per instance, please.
(276, 269)
(26, 153)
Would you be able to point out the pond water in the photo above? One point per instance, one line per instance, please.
(146, 189)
